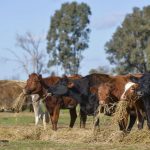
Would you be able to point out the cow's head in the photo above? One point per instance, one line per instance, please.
(60, 88)
(143, 89)
(33, 85)
(130, 93)
(107, 100)
(65, 84)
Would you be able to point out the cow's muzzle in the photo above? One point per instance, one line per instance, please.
(140, 93)
(25, 91)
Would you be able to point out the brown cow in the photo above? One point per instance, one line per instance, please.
(109, 94)
(55, 103)
(38, 85)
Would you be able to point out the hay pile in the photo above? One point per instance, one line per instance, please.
(11, 96)
(37, 133)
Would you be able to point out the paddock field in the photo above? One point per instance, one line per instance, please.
(17, 132)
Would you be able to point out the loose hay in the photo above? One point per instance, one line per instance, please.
(121, 111)
(138, 136)
(19, 102)
(75, 135)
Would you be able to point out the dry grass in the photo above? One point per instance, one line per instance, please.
(74, 136)
(109, 137)
(108, 133)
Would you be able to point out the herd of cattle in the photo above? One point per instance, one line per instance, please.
(94, 93)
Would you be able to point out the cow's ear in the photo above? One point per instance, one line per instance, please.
(40, 76)
(134, 79)
(64, 76)
(64, 79)
(70, 85)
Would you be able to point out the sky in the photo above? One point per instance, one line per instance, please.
(21, 16)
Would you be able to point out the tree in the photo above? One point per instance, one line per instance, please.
(68, 36)
(33, 57)
(129, 48)
(101, 69)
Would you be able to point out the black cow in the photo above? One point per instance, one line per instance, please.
(80, 90)
(143, 91)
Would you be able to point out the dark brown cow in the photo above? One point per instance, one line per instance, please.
(109, 94)
(38, 85)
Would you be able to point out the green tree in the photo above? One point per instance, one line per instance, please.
(68, 36)
(101, 69)
(129, 48)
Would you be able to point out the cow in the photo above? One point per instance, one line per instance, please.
(109, 94)
(38, 85)
(55, 103)
(134, 103)
(143, 91)
(84, 90)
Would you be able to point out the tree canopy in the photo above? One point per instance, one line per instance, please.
(68, 36)
(129, 48)
(101, 69)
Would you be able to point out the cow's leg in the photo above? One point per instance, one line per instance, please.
(140, 120)
(97, 118)
(147, 110)
(132, 121)
(96, 123)
(51, 112)
(73, 116)
(55, 116)
(83, 118)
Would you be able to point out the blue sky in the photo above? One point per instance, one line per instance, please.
(20, 16)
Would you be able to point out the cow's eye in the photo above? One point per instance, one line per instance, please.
(132, 89)
(36, 80)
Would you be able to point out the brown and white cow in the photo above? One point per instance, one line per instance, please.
(134, 103)
(109, 94)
